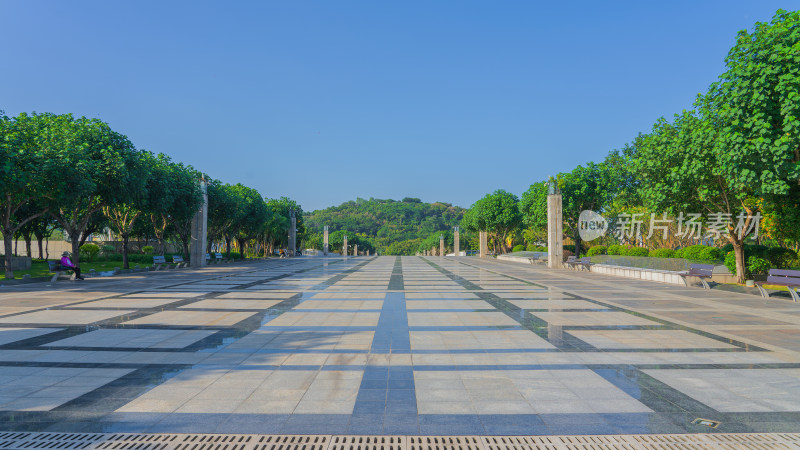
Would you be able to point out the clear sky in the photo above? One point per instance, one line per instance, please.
(326, 101)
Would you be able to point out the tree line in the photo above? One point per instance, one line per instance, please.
(735, 152)
(391, 227)
(80, 176)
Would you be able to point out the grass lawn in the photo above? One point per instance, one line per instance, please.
(39, 268)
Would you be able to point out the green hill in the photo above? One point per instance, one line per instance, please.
(393, 227)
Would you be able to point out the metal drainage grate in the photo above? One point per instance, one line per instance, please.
(135, 441)
(367, 443)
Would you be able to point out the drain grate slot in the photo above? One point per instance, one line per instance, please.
(444, 443)
(367, 443)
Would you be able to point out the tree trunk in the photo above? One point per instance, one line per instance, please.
(577, 239)
(241, 247)
(28, 249)
(39, 239)
(76, 252)
(125, 263)
(228, 247)
(738, 250)
(8, 254)
(185, 250)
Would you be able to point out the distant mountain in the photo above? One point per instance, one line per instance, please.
(391, 226)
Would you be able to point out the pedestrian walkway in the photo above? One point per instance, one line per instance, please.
(394, 346)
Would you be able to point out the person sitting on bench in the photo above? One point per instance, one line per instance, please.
(66, 262)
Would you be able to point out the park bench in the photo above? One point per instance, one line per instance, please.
(58, 270)
(208, 259)
(781, 277)
(158, 262)
(575, 262)
(220, 258)
(535, 259)
(178, 261)
(701, 271)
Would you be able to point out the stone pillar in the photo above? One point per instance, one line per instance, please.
(555, 232)
(292, 234)
(355, 249)
(441, 245)
(456, 243)
(325, 241)
(483, 244)
(197, 245)
(344, 247)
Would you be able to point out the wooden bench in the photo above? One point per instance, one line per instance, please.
(782, 277)
(159, 262)
(219, 258)
(178, 261)
(58, 270)
(701, 271)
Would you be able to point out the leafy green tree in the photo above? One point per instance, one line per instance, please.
(585, 188)
(27, 174)
(95, 163)
(742, 143)
(498, 214)
(251, 215)
(123, 214)
(221, 212)
(533, 207)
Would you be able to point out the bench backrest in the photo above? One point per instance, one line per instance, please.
(208, 256)
(177, 258)
(570, 259)
(53, 265)
(219, 255)
(159, 260)
(586, 260)
(703, 269)
(784, 277)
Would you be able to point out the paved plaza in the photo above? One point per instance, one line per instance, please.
(397, 346)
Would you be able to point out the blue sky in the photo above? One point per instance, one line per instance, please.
(328, 101)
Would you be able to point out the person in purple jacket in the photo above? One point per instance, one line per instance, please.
(67, 262)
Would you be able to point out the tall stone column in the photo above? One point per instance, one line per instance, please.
(325, 248)
(355, 249)
(344, 247)
(441, 245)
(197, 245)
(292, 234)
(555, 231)
(456, 243)
(483, 244)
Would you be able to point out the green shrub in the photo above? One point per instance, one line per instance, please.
(701, 253)
(89, 251)
(662, 253)
(758, 266)
(535, 248)
(726, 248)
(109, 249)
(597, 250)
(756, 250)
(730, 262)
(570, 247)
(781, 258)
(148, 249)
(635, 251)
(518, 248)
(615, 249)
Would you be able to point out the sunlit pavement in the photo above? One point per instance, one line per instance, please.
(390, 345)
